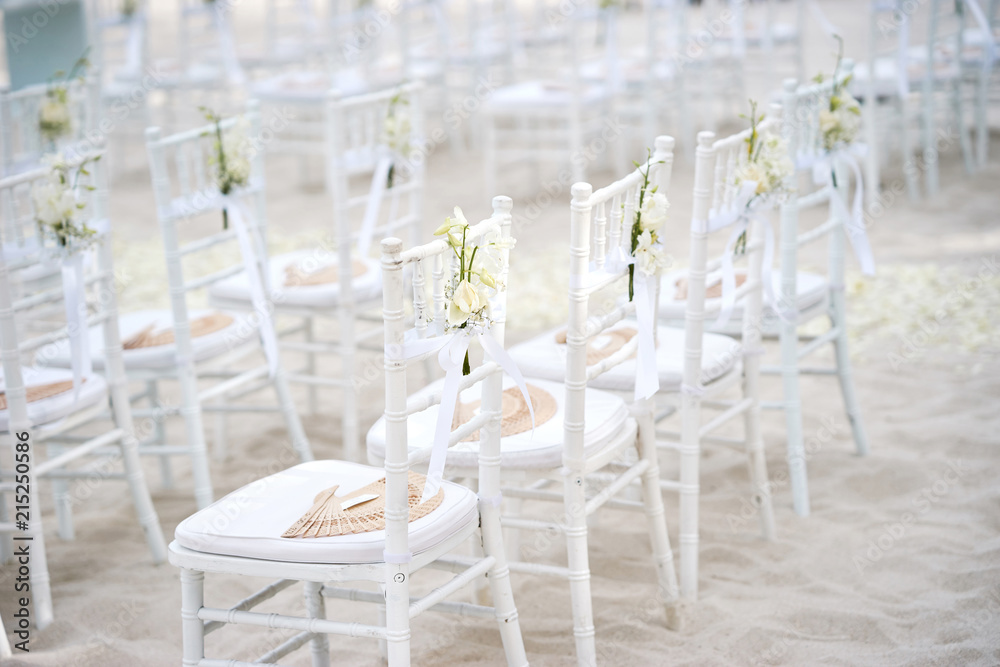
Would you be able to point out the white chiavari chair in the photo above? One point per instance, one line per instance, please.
(896, 72)
(207, 65)
(22, 141)
(805, 296)
(250, 542)
(341, 281)
(4, 644)
(717, 197)
(980, 56)
(195, 345)
(587, 445)
(551, 117)
(58, 411)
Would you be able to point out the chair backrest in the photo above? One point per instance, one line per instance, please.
(289, 24)
(429, 318)
(205, 38)
(801, 127)
(185, 189)
(22, 140)
(717, 193)
(359, 131)
(600, 237)
(91, 289)
(120, 41)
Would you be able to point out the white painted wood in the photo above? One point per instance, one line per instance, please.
(396, 606)
(182, 194)
(15, 355)
(21, 142)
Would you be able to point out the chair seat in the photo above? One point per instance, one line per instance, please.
(205, 347)
(607, 420)
(53, 408)
(543, 357)
(367, 285)
(541, 95)
(811, 289)
(248, 522)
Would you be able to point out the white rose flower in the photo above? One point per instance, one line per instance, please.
(653, 212)
(464, 302)
(650, 258)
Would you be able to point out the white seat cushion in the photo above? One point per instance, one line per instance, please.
(607, 416)
(811, 289)
(543, 357)
(248, 522)
(47, 410)
(204, 347)
(367, 285)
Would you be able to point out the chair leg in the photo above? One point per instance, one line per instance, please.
(910, 170)
(383, 648)
(579, 570)
(63, 502)
(964, 141)
(6, 539)
(220, 440)
(397, 615)
(793, 419)
(652, 498)
(930, 152)
(4, 644)
(319, 645)
(690, 462)
(756, 460)
(982, 128)
(299, 441)
(141, 499)
(500, 586)
(313, 390)
(192, 627)
(846, 377)
(160, 431)
(41, 589)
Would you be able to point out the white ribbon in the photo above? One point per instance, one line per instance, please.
(854, 221)
(738, 213)
(647, 378)
(74, 295)
(451, 354)
(258, 298)
(75, 300)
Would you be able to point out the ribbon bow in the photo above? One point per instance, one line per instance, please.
(738, 213)
(647, 378)
(451, 353)
(237, 212)
(854, 222)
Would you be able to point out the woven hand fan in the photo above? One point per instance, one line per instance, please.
(295, 276)
(515, 417)
(326, 518)
(201, 326)
(41, 391)
(618, 338)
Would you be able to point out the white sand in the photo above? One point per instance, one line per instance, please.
(849, 585)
